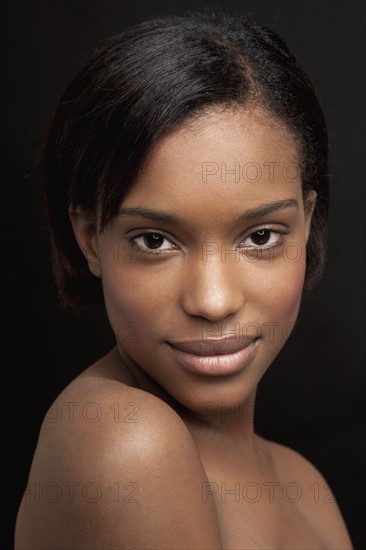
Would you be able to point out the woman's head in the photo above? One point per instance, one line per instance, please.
(200, 250)
(150, 81)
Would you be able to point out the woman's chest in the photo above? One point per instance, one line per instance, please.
(259, 510)
(247, 520)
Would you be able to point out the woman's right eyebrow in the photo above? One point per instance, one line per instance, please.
(157, 215)
(169, 217)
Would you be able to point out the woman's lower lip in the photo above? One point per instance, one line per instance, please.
(216, 365)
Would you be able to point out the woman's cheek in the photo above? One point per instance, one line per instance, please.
(133, 303)
(278, 292)
(289, 293)
(126, 308)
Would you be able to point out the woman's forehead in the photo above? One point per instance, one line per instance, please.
(232, 153)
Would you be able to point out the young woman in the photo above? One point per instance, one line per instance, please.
(186, 185)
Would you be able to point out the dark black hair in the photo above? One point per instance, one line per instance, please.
(145, 82)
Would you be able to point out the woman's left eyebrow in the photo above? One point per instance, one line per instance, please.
(161, 216)
(267, 208)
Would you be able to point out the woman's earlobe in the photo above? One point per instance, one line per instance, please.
(85, 231)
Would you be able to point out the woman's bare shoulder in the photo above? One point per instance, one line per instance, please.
(291, 464)
(103, 395)
(303, 483)
(99, 411)
(129, 460)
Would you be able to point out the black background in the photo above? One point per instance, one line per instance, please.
(312, 397)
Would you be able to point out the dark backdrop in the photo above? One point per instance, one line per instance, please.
(312, 397)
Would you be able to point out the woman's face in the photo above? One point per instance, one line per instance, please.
(232, 263)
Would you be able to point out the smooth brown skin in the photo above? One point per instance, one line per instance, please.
(159, 442)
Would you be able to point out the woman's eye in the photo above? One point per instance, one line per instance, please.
(154, 243)
(264, 238)
(151, 243)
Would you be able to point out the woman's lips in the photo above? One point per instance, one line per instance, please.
(217, 364)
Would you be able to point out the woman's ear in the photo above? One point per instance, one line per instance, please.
(309, 205)
(85, 231)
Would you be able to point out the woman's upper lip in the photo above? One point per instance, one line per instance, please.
(214, 347)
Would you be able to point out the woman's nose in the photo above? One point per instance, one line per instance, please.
(213, 289)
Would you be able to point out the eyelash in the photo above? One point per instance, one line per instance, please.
(152, 252)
